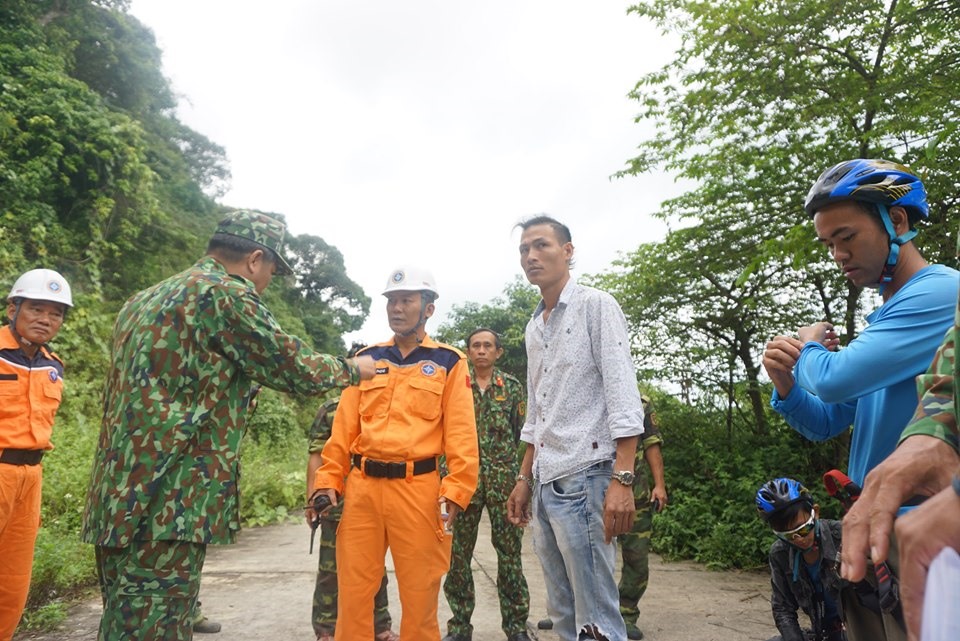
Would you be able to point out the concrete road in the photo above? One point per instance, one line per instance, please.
(262, 588)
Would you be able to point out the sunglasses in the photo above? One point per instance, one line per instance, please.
(799, 532)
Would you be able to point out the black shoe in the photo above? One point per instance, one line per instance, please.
(545, 624)
(633, 632)
(457, 637)
(519, 636)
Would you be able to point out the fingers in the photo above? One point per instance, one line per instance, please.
(856, 541)
(658, 498)
(619, 511)
(920, 465)
(921, 535)
(781, 353)
(913, 578)
(816, 333)
(518, 509)
(367, 367)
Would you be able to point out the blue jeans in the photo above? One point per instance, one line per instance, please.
(578, 565)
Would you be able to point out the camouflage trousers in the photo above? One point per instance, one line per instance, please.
(149, 590)
(635, 548)
(325, 591)
(492, 493)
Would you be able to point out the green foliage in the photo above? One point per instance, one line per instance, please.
(99, 180)
(506, 315)
(274, 461)
(712, 475)
(759, 99)
(328, 302)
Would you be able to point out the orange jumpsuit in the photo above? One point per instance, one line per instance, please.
(30, 391)
(413, 409)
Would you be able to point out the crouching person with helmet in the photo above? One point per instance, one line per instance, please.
(804, 562)
(31, 384)
(387, 434)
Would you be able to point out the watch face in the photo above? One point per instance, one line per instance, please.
(624, 477)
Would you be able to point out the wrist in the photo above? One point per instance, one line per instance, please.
(352, 368)
(526, 479)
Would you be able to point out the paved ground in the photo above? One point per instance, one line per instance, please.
(262, 588)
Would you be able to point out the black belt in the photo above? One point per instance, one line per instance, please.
(386, 470)
(21, 457)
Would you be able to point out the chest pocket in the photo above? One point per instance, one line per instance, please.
(9, 385)
(426, 395)
(374, 396)
(53, 390)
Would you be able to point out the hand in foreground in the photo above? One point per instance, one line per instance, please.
(519, 504)
(822, 333)
(920, 465)
(367, 365)
(779, 358)
(658, 497)
(311, 514)
(448, 512)
(619, 510)
(921, 535)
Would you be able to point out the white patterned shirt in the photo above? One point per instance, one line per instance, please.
(582, 390)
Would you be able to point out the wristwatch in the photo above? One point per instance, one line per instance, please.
(526, 479)
(625, 477)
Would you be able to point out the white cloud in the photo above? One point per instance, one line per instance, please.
(422, 131)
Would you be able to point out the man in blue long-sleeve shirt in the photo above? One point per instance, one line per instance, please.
(864, 212)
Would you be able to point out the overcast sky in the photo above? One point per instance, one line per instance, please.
(421, 132)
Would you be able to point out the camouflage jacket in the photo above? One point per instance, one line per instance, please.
(939, 406)
(500, 412)
(650, 437)
(185, 358)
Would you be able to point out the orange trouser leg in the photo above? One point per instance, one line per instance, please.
(404, 515)
(20, 488)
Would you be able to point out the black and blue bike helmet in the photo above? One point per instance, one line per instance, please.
(777, 495)
(882, 183)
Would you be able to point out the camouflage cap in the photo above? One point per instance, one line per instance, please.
(265, 229)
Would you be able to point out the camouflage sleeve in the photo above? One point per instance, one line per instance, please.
(322, 425)
(518, 413)
(250, 337)
(651, 428)
(936, 413)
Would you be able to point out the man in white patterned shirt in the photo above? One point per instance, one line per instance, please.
(584, 415)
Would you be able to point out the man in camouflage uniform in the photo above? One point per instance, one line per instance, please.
(325, 592)
(927, 456)
(186, 354)
(499, 402)
(635, 545)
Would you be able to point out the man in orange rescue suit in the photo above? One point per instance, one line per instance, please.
(31, 383)
(387, 435)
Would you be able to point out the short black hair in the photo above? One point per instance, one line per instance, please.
(561, 230)
(234, 248)
(496, 336)
(782, 519)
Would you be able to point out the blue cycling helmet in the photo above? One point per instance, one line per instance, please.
(869, 180)
(777, 495)
(882, 183)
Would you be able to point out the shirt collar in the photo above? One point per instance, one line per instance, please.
(566, 294)
(211, 264)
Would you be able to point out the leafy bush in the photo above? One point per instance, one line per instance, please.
(712, 477)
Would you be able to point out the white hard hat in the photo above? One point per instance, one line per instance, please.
(42, 284)
(411, 279)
